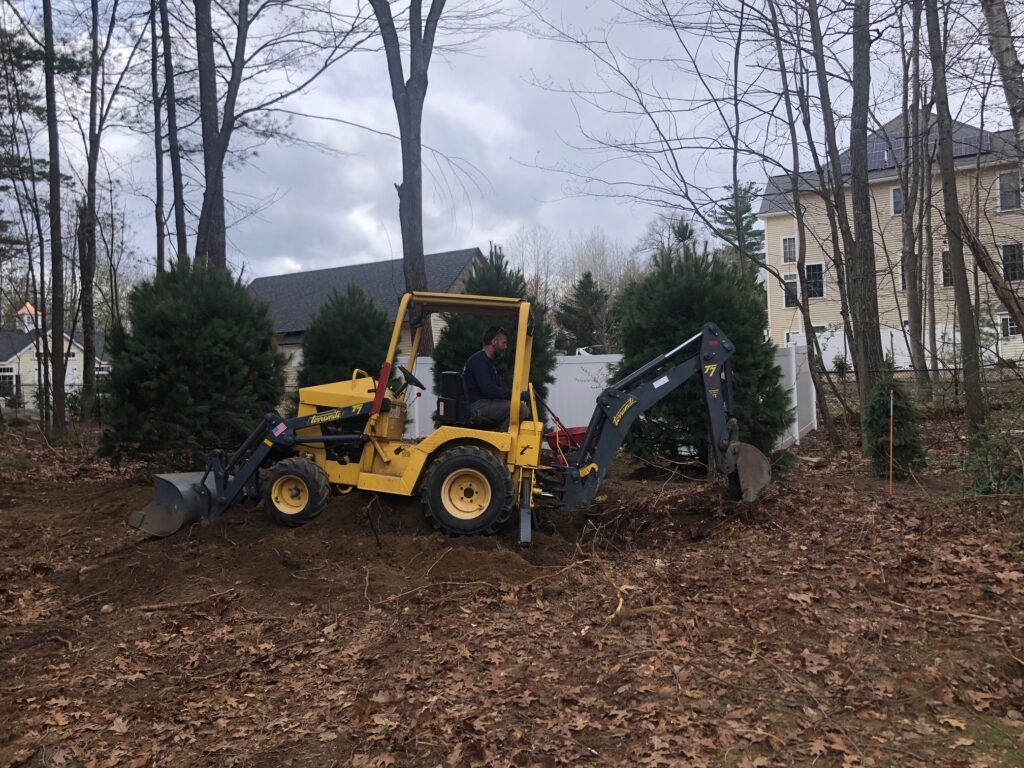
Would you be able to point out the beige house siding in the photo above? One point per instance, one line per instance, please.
(980, 202)
(28, 373)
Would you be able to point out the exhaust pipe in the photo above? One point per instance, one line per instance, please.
(181, 499)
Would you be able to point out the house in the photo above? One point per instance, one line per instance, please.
(294, 299)
(21, 361)
(989, 187)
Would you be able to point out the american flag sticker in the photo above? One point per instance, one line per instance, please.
(279, 429)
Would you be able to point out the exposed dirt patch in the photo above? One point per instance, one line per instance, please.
(826, 625)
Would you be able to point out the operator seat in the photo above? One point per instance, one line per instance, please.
(453, 404)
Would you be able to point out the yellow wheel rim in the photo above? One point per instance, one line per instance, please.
(465, 494)
(289, 494)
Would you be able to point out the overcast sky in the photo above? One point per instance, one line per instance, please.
(484, 109)
(482, 106)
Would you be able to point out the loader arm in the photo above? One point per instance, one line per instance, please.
(185, 498)
(621, 404)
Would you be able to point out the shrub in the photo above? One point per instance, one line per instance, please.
(194, 368)
(908, 453)
(995, 464)
(348, 332)
(670, 303)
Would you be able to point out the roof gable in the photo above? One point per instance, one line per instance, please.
(295, 298)
(11, 343)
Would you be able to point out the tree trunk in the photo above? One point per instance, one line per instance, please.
(913, 150)
(410, 196)
(58, 345)
(211, 237)
(929, 248)
(975, 405)
(813, 361)
(1000, 42)
(861, 262)
(408, 97)
(177, 183)
(158, 142)
(844, 250)
(87, 219)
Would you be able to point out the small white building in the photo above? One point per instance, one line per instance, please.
(22, 361)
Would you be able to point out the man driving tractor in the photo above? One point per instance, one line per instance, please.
(489, 399)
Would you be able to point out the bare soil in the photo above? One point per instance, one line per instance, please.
(828, 624)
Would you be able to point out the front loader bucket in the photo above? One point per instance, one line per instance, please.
(754, 471)
(179, 502)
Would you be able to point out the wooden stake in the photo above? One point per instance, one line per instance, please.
(891, 398)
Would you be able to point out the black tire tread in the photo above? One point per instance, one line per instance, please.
(316, 479)
(475, 451)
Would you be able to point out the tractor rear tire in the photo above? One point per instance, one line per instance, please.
(295, 491)
(468, 491)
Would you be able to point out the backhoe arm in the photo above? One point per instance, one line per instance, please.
(624, 402)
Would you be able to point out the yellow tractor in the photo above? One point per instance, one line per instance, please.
(471, 477)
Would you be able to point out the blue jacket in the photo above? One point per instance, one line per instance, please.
(482, 382)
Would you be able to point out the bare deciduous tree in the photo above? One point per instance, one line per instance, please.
(296, 43)
(975, 405)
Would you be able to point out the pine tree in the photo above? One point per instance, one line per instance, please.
(584, 316)
(194, 369)
(463, 334)
(348, 332)
(670, 303)
(725, 220)
(907, 453)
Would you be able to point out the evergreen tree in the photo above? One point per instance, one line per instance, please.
(348, 332)
(670, 303)
(584, 316)
(725, 220)
(194, 369)
(463, 334)
(907, 453)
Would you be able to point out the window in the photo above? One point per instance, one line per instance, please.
(819, 329)
(7, 381)
(1009, 191)
(897, 201)
(1013, 261)
(947, 270)
(789, 250)
(791, 289)
(1010, 327)
(814, 274)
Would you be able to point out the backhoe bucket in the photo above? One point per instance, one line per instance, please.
(179, 502)
(754, 471)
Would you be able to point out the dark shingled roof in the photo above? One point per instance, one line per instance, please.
(885, 147)
(295, 298)
(12, 342)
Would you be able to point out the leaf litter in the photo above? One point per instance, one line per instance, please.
(825, 625)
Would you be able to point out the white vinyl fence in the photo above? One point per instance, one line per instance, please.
(580, 379)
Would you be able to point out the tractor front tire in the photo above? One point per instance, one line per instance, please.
(295, 491)
(468, 491)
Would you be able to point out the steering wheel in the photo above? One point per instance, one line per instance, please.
(410, 378)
